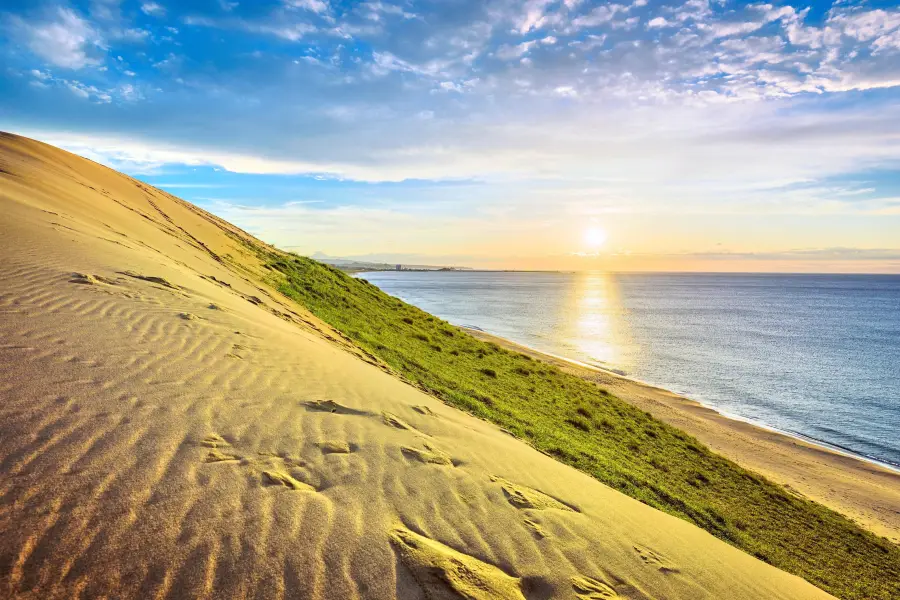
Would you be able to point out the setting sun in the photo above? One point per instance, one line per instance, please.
(594, 237)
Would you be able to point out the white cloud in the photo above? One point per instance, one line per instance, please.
(129, 92)
(78, 90)
(719, 30)
(131, 35)
(629, 23)
(889, 41)
(153, 9)
(867, 25)
(45, 79)
(507, 52)
(589, 42)
(67, 40)
(754, 50)
(375, 11)
(316, 6)
(534, 16)
(386, 62)
(695, 10)
(659, 22)
(289, 31)
(106, 10)
(87, 91)
(137, 157)
(599, 15)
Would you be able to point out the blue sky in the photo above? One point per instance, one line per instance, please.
(490, 133)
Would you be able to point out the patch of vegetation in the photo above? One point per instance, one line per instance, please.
(596, 432)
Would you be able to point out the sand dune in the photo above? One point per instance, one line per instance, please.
(171, 428)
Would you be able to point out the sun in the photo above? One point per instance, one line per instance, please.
(594, 237)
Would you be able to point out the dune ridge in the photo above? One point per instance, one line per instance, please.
(172, 428)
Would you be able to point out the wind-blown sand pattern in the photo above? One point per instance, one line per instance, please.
(251, 451)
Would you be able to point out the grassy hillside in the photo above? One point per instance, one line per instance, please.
(586, 427)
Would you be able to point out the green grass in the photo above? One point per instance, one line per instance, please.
(592, 430)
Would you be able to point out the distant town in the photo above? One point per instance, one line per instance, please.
(356, 266)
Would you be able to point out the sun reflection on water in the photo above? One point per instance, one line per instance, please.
(597, 324)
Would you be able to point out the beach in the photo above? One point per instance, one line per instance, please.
(867, 492)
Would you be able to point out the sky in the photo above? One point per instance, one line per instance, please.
(639, 135)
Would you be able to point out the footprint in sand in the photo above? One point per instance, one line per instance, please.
(272, 468)
(522, 496)
(445, 574)
(430, 455)
(424, 410)
(333, 447)
(609, 587)
(215, 443)
(395, 421)
(655, 559)
(218, 456)
(591, 589)
(283, 479)
(88, 279)
(151, 279)
(536, 529)
(237, 351)
(333, 407)
(188, 316)
(214, 440)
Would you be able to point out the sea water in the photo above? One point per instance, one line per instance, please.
(813, 355)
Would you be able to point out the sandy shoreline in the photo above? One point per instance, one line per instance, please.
(864, 490)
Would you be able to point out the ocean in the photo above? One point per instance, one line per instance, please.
(812, 355)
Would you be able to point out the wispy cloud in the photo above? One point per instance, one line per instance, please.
(153, 9)
(63, 39)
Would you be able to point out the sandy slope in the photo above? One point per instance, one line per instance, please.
(864, 491)
(169, 428)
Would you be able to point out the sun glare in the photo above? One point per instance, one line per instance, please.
(594, 237)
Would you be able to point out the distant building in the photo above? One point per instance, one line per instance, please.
(399, 267)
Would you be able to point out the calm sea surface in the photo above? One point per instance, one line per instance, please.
(815, 355)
